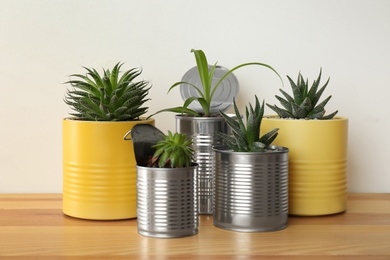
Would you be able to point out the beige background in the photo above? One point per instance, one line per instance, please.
(42, 42)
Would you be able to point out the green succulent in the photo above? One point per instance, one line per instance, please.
(303, 103)
(207, 90)
(246, 138)
(174, 151)
(107, 97)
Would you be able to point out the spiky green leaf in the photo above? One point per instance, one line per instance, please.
(303, 104)
(173, 151)
(107, 97)
(247, 138)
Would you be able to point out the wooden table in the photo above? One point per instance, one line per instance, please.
(33, 226)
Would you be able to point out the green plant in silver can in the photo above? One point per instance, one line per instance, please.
(207, 90)
(304, 102)
(246, 137)
(173, 151)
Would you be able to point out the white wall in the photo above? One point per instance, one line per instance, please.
(43, 41)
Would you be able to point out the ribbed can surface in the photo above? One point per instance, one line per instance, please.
(99, 174)
(203, 131)
(167, 201)
(251, 190)
(318, 187)
(318, 163)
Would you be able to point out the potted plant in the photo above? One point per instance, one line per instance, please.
(318, 148)
(99, 173)
(251, 176)
(167, 187)
(202, 121)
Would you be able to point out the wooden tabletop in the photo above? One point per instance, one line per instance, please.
(33, 226)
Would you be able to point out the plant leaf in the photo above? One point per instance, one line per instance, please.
(203, 69)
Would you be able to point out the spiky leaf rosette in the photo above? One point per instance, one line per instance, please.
(246, 138)
(107, 97)
(174, 151)
(303, 103)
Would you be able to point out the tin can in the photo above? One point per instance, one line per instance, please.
(167, 201)
(251, 189)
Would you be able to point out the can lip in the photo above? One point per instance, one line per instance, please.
(273, 149)
(193, 166)
(202, 118)
(277, 118)
(142, 120)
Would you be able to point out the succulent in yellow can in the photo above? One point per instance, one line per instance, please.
(303, 104)
(99, 168)
(108, 97)
(318, 144)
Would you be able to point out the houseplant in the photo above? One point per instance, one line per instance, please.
(167, 188)
(203, 123)
(318, 148)
(251, 176)
(99, 175)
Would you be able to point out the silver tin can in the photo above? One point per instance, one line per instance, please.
(251, 190)
(167, 202)
(203, 132)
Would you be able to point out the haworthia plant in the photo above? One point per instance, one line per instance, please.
(303, 104)
(246, 138)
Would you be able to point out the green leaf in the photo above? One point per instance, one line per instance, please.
(205, 105)
(297, 111)
(128, 76)
(233, 123)
(257, 147)
(114, 76)
(83, 80)
(287, 96)
(104, 98)
(240, 66)
(316, 115)
(269, 137)
(180, 110)
(203, 69)
(330, 116)
(190, 84)
(229, 141)
(246, 138)
(322, 105)
(188, 101)
(313, 89)
(306, 106)
(319, 93)
(208, 93)
(284, 103)
(238, 117)
(298, 98)
(282, 113)
(252, 129)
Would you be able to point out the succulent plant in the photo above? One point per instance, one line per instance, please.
(303, 103)
(207, 90)
(246, 138)
(174, 151)
(107, 97)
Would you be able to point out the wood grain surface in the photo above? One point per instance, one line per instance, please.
(32, 226)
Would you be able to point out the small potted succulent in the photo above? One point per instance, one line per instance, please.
(167, 188)
(318, 148)
(99, 176)
(206, 90)
(251, 176)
